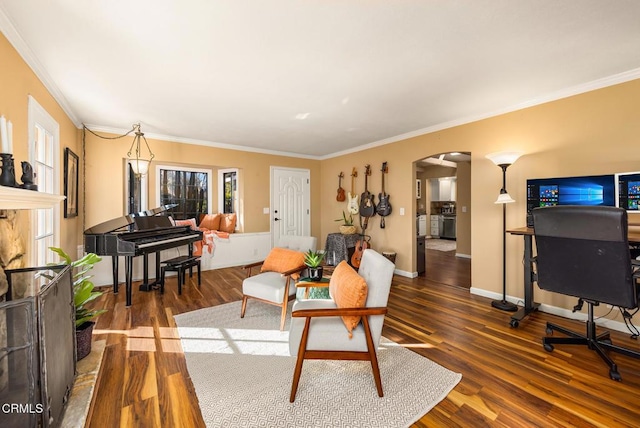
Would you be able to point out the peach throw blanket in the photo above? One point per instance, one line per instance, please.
(207, 241)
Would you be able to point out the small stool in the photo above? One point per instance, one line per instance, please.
(179, 265)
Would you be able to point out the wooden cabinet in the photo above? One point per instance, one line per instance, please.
(435, 225)
(443, 189)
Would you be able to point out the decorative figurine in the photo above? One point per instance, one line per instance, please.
(7, 178)
(27, 177)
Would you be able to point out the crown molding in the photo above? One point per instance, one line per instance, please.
(553, 96)
(10, 32)
(174, 139)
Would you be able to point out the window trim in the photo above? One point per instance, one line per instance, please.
(144, 189)
(208, 171)
(37, 114)
(220, 189)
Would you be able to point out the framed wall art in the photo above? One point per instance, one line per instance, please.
(71, 166)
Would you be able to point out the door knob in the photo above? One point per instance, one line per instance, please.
(276, 219)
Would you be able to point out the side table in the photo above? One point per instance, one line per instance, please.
(340, 246)
(307, 284)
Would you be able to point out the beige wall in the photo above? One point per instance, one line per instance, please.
(592, 133)
(17, 82)
(463, 199)
(106, 167)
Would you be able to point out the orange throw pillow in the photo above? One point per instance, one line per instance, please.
(211, 221)
(282, 260)
(228, 223)
(348, 290)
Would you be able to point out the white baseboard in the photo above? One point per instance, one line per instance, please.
(405, 273)
(240, 249)
(463, 256)
(554, 310)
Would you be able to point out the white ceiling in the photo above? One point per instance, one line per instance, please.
(316, 78)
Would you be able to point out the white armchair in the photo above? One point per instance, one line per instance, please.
(298, 243)
(318, 332)
(273, 285)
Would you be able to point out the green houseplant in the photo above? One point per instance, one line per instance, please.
(313, 261)
(347, 227)
(83, 293)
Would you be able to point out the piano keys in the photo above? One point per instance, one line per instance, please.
(154, 233)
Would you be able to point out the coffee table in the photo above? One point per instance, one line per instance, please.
(307, 284)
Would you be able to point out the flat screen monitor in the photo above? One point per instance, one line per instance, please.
(628, 191)
(587, 190)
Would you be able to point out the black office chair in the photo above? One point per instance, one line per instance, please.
(583, 251)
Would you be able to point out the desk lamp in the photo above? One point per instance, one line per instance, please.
(503, 160)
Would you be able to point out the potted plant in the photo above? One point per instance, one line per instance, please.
(313, 260)
(82, 294)
(347, 227)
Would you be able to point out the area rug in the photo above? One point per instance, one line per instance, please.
(242, 372)
(440, 244)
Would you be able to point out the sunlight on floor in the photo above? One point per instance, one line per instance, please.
(235, 341)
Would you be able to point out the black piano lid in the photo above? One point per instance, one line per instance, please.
(153, 222)
(110, 226)
(123, 222)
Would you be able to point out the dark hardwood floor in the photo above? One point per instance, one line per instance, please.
(444, 267)
(508, 380)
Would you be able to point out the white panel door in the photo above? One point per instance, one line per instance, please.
(290, 203)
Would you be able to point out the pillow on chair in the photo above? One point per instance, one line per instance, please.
(282, 260)
(210, 221)
(348, 290)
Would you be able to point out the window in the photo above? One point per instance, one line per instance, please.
(44, 155)
(228, 190)
(189, 188)
(135, 191)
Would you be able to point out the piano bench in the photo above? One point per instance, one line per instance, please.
(180, 265)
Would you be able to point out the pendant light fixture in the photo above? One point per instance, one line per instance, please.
(139, 162)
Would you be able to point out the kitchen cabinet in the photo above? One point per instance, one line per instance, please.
(422, 225)
(443, 189)
(435, 225)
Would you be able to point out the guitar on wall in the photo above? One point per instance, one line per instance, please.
(353, 198)
(384, 207)
(340, 197)
(367, 204)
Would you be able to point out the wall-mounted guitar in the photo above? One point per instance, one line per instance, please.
(384, 207)
(353, 198)
(367, 204)
(340, 197)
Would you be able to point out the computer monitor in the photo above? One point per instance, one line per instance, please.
(628, 191)
(586, 190)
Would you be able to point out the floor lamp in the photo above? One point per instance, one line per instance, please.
(503, 160)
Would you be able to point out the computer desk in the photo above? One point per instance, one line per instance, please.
(529, 277)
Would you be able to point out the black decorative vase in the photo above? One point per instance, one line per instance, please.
(315, 274)
(83, 339)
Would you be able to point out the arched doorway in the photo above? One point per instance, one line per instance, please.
(443, 213)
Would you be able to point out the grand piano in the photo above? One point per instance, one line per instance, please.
(138, 235)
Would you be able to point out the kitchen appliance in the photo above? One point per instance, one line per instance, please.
(449, 208)
(448, 226)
